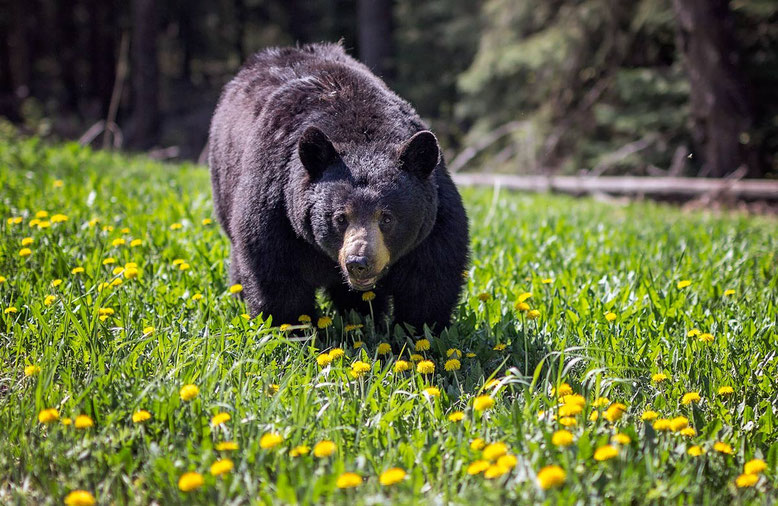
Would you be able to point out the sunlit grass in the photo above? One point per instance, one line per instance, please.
(646, 333)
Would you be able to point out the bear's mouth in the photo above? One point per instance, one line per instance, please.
(362, 285)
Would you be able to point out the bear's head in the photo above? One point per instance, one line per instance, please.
(368, 204)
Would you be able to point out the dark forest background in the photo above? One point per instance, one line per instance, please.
(648, 87)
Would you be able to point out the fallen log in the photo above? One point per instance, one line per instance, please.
(657, 187)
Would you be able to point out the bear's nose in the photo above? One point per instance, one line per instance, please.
(357, 266)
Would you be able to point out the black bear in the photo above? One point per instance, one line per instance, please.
(324, 178)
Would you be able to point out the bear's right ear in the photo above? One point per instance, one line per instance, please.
(316, 152)
(420, 154)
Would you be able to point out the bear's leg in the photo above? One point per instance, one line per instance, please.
(346, 300)
(426, 284)
(282, 297)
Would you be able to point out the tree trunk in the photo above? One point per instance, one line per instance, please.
(144, 123)
(375, 28)
(721, 111)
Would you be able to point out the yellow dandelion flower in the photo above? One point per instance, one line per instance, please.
(524, 296)
(197, 296)
(34, 222)
(425, 367)
(594, 416)
(477, 444)
(270, 440)
(546, 281)
(659, 377)
(432, 391)
(746, 480)
(348, 480)
(77, 270)
(679, 423)
(683, 284)
(649, 415)
(690, 397)
(551, 477)
(562, 438)
(495, 471)
(189, 392)
(470, 355)
(606, 452)
(726, 390)
(105, 311)
(478, 467)
(452, 365)
(135, 243)
(184, 267)
(324, 322)
(324, 449)
(176, 226)
(521, 306)
(284, 327)
(570, 409)
(754, 466)
(148, 330)
(662, 425)
(494, 451)
(401, 366)
(729, 292)
(358, 344)
(299, 451)
(56, 282)
(116, 282)
(384, 349)
(722, 447)
(601, 402)
(564, 389)
(83, 422)
(31, 370)
(359, 368)
(237, 288)
(303, 318)
(416, 357)
(206, 221)
(492, 383)
(483, 402)
(533, 313)
(422, 345)
(93, 222)
(368, 296)
(67, 421)
(456, 416)
(614, 412)
(272, 389)
(693, 333)
(499, 347)
(221, 466)
(49, 300)
(695, 451)
(323, 359)
(190, 481)
(483, 296)
(352, 326)
(3, 279)
(507, 461)
(42, 214)
(391, 476)
(58, 183)
(610, 316)
(79, 498)
(27, 241)
(220, 418)
(454, 351)
(226, 446)
(621, 439)
(10, 310)
(705, 338)
(568, 421)
(25, 252)
(688, 432)
(118, 242)
(141, 416)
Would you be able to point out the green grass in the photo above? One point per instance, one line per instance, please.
(600, 258)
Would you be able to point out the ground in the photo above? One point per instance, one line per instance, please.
(589, 316)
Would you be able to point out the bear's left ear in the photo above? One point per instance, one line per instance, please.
(316, 152)
(420, 154)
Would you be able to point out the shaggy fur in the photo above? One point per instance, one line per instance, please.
(308, 147)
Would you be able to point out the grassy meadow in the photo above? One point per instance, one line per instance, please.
(601, 353)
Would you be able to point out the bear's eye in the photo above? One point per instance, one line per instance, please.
(340, 219)
(386, 218)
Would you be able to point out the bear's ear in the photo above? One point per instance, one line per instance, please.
(420, 154)
(316, 152)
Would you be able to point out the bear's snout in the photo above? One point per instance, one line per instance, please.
(357, 266)
(363, 256)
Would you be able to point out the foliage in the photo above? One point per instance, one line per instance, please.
(610, 314)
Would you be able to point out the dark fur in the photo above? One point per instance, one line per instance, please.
(274, 209)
